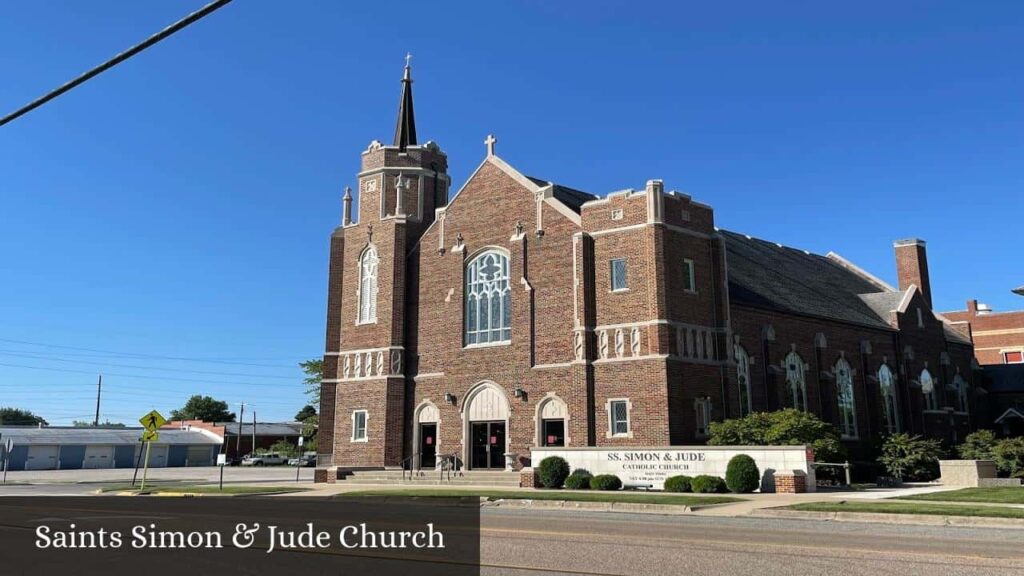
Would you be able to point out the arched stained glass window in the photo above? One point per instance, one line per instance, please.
(960, 386)
(488, 300)
(844, 397)
(743, 380)
(796, 380)
(931, 401)
(890, 413)
(368, 263)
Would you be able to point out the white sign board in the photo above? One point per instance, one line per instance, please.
(649, 467)
(222, 459)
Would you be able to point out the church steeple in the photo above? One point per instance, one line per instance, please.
(405, 131)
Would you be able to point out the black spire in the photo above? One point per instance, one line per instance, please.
(405, 131)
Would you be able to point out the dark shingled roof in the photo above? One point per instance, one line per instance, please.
(571, 197)
(766, 275)
(1004, 378)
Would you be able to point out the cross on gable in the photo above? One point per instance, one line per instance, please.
(490, 144)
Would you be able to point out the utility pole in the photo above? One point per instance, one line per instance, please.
(238, 439)
(99, 388)
(254, 431)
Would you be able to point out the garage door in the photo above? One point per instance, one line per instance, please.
(200, 456)
(42, 458)
(157, 456)
(98, 457)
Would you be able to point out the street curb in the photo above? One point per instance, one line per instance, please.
(883, 518)
(630, 507)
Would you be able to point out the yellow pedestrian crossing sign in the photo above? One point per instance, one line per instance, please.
(150, 436)
(152, 421)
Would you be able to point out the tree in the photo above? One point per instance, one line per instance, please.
(789, 427)
(106, 423)
(19, 417)
(307, 411)
(314, 370)
(204, 408)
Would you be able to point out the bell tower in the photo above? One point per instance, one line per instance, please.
(399, 188)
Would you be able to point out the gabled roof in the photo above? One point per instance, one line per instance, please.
(1004, 378)
(571, 197)
(1011, 413)
(767, 275)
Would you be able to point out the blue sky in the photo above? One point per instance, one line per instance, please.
(179, 205)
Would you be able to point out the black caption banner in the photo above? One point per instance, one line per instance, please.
(153, 536)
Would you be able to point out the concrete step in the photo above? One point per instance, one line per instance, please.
(431, 478)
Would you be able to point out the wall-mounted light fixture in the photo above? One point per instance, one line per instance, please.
(449, 397)
(519, 393)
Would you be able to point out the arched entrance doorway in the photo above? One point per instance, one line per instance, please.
(426, 434)
(552, 421)
(485, 427)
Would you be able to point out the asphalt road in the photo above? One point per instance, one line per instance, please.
(517, 542)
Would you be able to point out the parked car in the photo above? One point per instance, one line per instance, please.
(267, 459)
(306, 461)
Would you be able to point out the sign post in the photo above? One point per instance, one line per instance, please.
(222, 460)
(299, 465)
(151, 422)
(9, 447)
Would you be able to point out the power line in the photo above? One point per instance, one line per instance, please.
(144, 376)
(166, 32)
(143, 355)
(37, 356)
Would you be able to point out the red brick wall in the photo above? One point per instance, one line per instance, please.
(993, 333)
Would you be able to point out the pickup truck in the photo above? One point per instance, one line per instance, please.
(268, 459)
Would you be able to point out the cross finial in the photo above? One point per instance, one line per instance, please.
(490, 144)
(408, 59)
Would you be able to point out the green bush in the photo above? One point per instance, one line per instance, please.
(978, 445)
(553, 472)
(787, 427)
(579, 480)
(678, 484)
(605, 482)
(912, 458)
(708, 484)
(1009, 456)
(742, 475)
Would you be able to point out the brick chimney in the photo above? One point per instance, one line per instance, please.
(912, 266)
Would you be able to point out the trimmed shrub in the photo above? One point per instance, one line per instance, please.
(579, 480)
(978, 445)
(911, 458)
(678, 484)
(708, 484)
(789, 427)
(553, 472)
(742, 475)
(1009, 456)
(605, 482)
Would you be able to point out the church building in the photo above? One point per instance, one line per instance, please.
(520, 313)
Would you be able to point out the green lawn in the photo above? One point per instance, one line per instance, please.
(213, 490)
(629, 497)
(997, 495)
(911, 508)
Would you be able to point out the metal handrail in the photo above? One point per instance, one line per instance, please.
(412, 463)
(448, 463)
(845, 466)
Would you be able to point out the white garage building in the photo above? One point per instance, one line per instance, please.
(70, 448)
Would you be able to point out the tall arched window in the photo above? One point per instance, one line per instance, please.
(488, 302)
(844, 397)
(795, 380)
(960, 386)
(931, 402)
(368, 263)
(890, 413)
(743, 380)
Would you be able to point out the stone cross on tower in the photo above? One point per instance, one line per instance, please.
(490, 144)
(408, 59)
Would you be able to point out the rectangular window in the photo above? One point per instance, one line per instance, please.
(619, 412)
(1013, 357)
(359, 426)
(702, 408)
(689, 276)
(618, 274)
